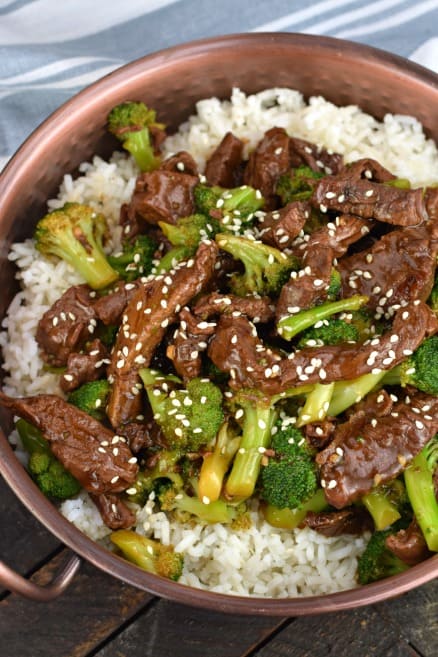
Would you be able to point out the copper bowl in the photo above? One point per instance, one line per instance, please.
(172, 81)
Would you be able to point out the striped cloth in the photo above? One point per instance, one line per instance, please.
(50, 49)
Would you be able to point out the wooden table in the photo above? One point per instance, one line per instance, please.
(101, 617)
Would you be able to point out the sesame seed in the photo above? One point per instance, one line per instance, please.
(419, 424)
(115, 479)
(369, 192)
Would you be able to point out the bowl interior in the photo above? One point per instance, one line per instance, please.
(172, 81)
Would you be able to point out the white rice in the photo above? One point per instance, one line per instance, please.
(262, 560)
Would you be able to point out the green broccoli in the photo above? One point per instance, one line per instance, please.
(135, 259)
(335, 285)
(173, 257)
(266, 268)
(189, 418)
(167, 469)
(130, 123)
(216, 463)
(51, 477)
(91, 397)
(291, 518)
(421, 492)
(297, 184)
(74, 233)
(377, 561)
(149, 554)
(172, 499)
(433, 298)
(288, 327)
(258, 414)
(420, 369)
(290, 478)
(332, 331)
(238, 204)
(189, 231)
(317, 403)
(386, 503)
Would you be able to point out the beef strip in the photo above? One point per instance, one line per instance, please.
(190, 340)
(143, 434)
(151, 310)
(99, 460)
(279, 228)
(224, 164)
(345, 230)
(335, 523)
(319, 159)
(359, 459)
(84, 367)
(409, 544)
(404, 259)
(431, 200)
(320, 433)
(181, 162)
(245, 356)
(309, 286)
(350, 193)
(258, 309)
(109, 308)
(162, 196)
(267, 163)
(114, 512)
(66, 326)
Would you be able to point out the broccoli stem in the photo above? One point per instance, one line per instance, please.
(290, 326)
(347, 393)
(383, 511)
(216, 464)
(421, 492)
(138, 143)
(209, 512)
(316, 404)
(256, 436)
(149, 554)
(173, 257)
(291, 518)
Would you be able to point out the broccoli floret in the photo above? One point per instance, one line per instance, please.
(257, 413)
(289, 479)
(171, 499)
(135, 259)
(241, 202)
(288, 327)
(51, 477)
(266, 268)
(421, 369)
(189, 418)
(167, 470)
(149, 554)
(189, 231)
(130, 123)
(421, 492)
(365, 323)
(335, 285)
(387, 503)
(297, 184)
(377, 561)
(74, 233)
(92, 398)
(333, 331)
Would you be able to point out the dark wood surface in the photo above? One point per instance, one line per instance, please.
(101, 617)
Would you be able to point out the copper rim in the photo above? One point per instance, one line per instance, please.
(75, 131)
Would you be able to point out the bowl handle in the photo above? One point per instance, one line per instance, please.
(18, 584)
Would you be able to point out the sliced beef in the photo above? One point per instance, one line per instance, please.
(140, 436)
(162, 196)
(431, 200)
(66, 326)
(109, 308)
(158, 136)
(350, 193)
(258, 309)
(335, 523)
(309, 286)
(409, 544)
(404, 260)
(89, 365)
(279, 228)
(247, 360)
(114, 512)
(181, 162)
(189, 342)
(320, 433)
(319, 159)
(267, 163)
(360, 458)
(339, 234)
(223, 167)
(101, 461)
(151, 310)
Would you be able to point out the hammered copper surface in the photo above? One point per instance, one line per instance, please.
(172, 81)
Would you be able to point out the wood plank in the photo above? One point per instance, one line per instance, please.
(169, 630)
(417, 613)
(75, 624)
(361, 632)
